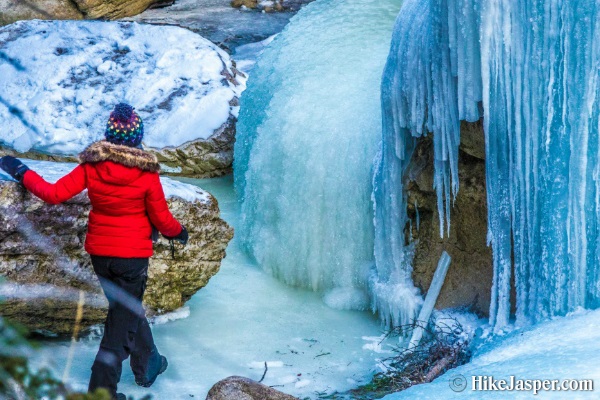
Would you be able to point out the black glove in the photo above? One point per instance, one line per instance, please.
(14, 167)
(181, 238)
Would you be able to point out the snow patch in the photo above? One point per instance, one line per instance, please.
(562, 348)
(261, 364)
(375, 344)
(180, 313)
(53, 171)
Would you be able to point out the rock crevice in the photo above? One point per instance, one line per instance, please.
(469, 279)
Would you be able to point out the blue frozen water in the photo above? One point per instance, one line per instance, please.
(241, 319)
(309, 127)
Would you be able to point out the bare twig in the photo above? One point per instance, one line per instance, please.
(265, 373)
(444, 346)
(76, 329)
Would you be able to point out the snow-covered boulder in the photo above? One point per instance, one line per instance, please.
(69, 74)
(44, 265)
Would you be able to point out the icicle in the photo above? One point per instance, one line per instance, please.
(418, 217)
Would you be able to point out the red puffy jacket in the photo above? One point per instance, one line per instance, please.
(126, 196)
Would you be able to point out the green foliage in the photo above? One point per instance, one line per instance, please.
(18, 381)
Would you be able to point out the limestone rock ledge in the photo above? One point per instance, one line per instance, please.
(16, 10)
(113, 9)
(44, 267)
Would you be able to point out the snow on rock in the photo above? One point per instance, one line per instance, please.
(72, 73)
(562, 348)
(43, 264)
(53, 171)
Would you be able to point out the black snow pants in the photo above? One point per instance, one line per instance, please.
(126, 329)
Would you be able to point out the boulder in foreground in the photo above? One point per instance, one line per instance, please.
(240, 388)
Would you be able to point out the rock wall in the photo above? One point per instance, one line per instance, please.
(202, 158)
(16, 10)
(114, 9)
(469, 278)
(45, 266)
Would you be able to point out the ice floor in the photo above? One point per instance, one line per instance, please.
(243, 318)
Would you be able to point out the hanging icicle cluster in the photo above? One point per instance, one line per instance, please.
(533, 67)
(431, 81)
(540, 73)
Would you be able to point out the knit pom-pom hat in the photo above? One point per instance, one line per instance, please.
(124, 126)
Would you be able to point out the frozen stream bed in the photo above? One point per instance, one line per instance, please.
(243, 318)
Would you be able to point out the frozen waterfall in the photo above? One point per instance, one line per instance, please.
(308, 132)
(532, 67)
(420, 94)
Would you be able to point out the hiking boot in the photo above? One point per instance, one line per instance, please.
(163, 367)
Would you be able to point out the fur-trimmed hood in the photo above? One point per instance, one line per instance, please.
(128, 156)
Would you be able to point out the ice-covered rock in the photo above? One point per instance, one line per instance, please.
(45, 266)
(69, 75)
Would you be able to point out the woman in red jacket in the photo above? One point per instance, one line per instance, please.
(127, 202)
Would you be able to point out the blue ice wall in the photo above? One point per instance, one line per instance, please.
(540, 63)
(308, 131)
(533, 68)
(421, 92)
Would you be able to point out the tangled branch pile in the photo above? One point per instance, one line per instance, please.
(445, 345)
